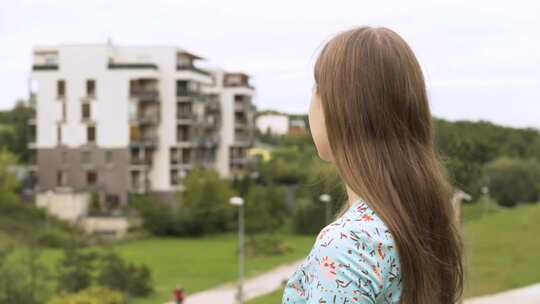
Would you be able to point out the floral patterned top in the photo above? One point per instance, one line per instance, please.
(354, 260)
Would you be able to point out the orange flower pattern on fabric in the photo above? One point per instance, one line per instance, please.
(353, 260)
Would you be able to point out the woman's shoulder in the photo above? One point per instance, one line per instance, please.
(358, 247)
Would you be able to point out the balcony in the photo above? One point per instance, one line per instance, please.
(151, 118)
(145, 95)
(243, 140)
(239, 160)
(188, 94)
(241, 124)
(45, 60)
(240, 106)
(192, 68)
(208, 141)
(45, 67)
(213, 106)
(236, 80)
(140, 185)
(138, 161)
(131, 65)
(147, 140)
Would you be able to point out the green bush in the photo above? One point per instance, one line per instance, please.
(267, 246)
(52, 238)
(265, 208)
(512, 180)
(92, 295)
(116, 274)
(308, 218)
(160, 219)
(23, 280)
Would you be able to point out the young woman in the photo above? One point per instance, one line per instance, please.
(396, 239)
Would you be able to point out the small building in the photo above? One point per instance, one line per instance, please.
(273, 124)
(297, 126)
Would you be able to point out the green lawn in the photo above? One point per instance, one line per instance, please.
(503, 251)
(195, 263)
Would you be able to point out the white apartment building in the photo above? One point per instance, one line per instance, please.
(119, 119)
(275, 124)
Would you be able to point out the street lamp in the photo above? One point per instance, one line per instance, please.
(238, 201)
(49, 195)
(326, 198)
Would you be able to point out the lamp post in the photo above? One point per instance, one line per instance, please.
(238, 201)
(325, 198)
(49, 195)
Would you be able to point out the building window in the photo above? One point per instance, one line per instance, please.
(64, 111)
(61, 178)
(59, 134)
(174, 177)
(64, 157)
(85, 109)
(186, 156)
(181, 88)
(91, 178)
(112, 201)
(86, 157)
(91, 88)
(61, 89)
(174, 156)
(182, 133)
(91, 134)
(108, 157)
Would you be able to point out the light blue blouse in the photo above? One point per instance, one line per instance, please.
(354, 260)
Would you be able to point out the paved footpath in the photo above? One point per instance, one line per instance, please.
(254, 287)
(525, 295)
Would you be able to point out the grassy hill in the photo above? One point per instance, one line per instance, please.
(194, 263)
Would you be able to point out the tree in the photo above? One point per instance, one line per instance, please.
(116, 274)
(310, 212)
(24, 282)
(206, 201)
(75, 269)
(512, 180)
(16, 134)
(159, 218)
(265, 208)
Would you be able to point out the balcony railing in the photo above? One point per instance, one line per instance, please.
(141, 161)
(150, 94)
(45, 67)
(209, 140)
(185, 115)
(147, 118)
(241, 124)
(184, 92)
(147, 140)
(184, 67)
(140, 186)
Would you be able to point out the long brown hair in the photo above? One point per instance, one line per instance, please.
(380, 132)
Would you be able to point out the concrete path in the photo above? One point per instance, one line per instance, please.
(525, 295)
(253, 287)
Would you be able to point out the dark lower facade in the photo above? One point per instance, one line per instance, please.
(88, 168)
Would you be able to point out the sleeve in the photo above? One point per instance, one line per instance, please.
(351, 268)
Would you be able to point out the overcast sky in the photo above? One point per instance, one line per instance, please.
(481, 59)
